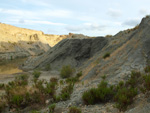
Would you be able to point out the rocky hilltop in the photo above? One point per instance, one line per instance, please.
(19, 42)
(72, 51)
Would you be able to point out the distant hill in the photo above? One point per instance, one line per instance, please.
(19, 42)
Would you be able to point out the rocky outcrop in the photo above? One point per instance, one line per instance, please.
(129, 50)
(72, 51)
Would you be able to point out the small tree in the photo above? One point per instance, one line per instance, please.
(66, 71)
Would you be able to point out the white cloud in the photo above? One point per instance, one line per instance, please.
(131, 22)
(43, 22)
(55, 13)
(114, 13)
(38, 14)
(74, 28)
(36, 2)
(86, 27)
(33, 22)
(144, 11)
(20, 13)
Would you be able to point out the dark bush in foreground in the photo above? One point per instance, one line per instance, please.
(74, 109)
(36, 74)
(122, 94)
(98, 95)
(66, 71)
(124, 97)
(52, 108)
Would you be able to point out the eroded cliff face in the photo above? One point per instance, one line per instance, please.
(19, 42)
(71, 51)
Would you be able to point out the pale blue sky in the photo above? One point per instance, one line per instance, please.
(89, 17)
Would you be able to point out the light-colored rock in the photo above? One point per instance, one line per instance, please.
(19, 42)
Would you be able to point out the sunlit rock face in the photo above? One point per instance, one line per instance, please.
(19, 42)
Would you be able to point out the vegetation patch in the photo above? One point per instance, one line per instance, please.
(147, 69)
(66, 71)
(36, 74)
(52, 108)
(74, 109)
(98, 95)
(106, 55)
(122, 94)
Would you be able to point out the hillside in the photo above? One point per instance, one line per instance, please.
(124, 48)
(128, 50)
(19, 42)
(105, 74)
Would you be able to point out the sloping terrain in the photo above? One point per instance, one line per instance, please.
(129, 50)
(115, 57)
(19, 42)
(124, 48)
(72, 51)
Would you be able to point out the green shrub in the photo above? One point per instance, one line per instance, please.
(17, 100)
(121, 84)
(105, 92)
(34, 111)
(50, 89)
(147, 69)
(143, 89)
(2, 86)
(39, 85)
(74, 109)
(52, 108)
(104, 77)
(66, 71)
(72, 80)
(23, 77)
(61, 82)
(134, 79)
(57, 98)
(89, 98)
(36, 74)
(98, 95)
(21, 80)
(147, 81)
(46, 88)
(54, 79)
(2, 105)
(124, 97)
(66, 92)
(106, 55)
(79, 74)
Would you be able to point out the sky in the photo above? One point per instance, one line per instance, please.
(88, 17)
